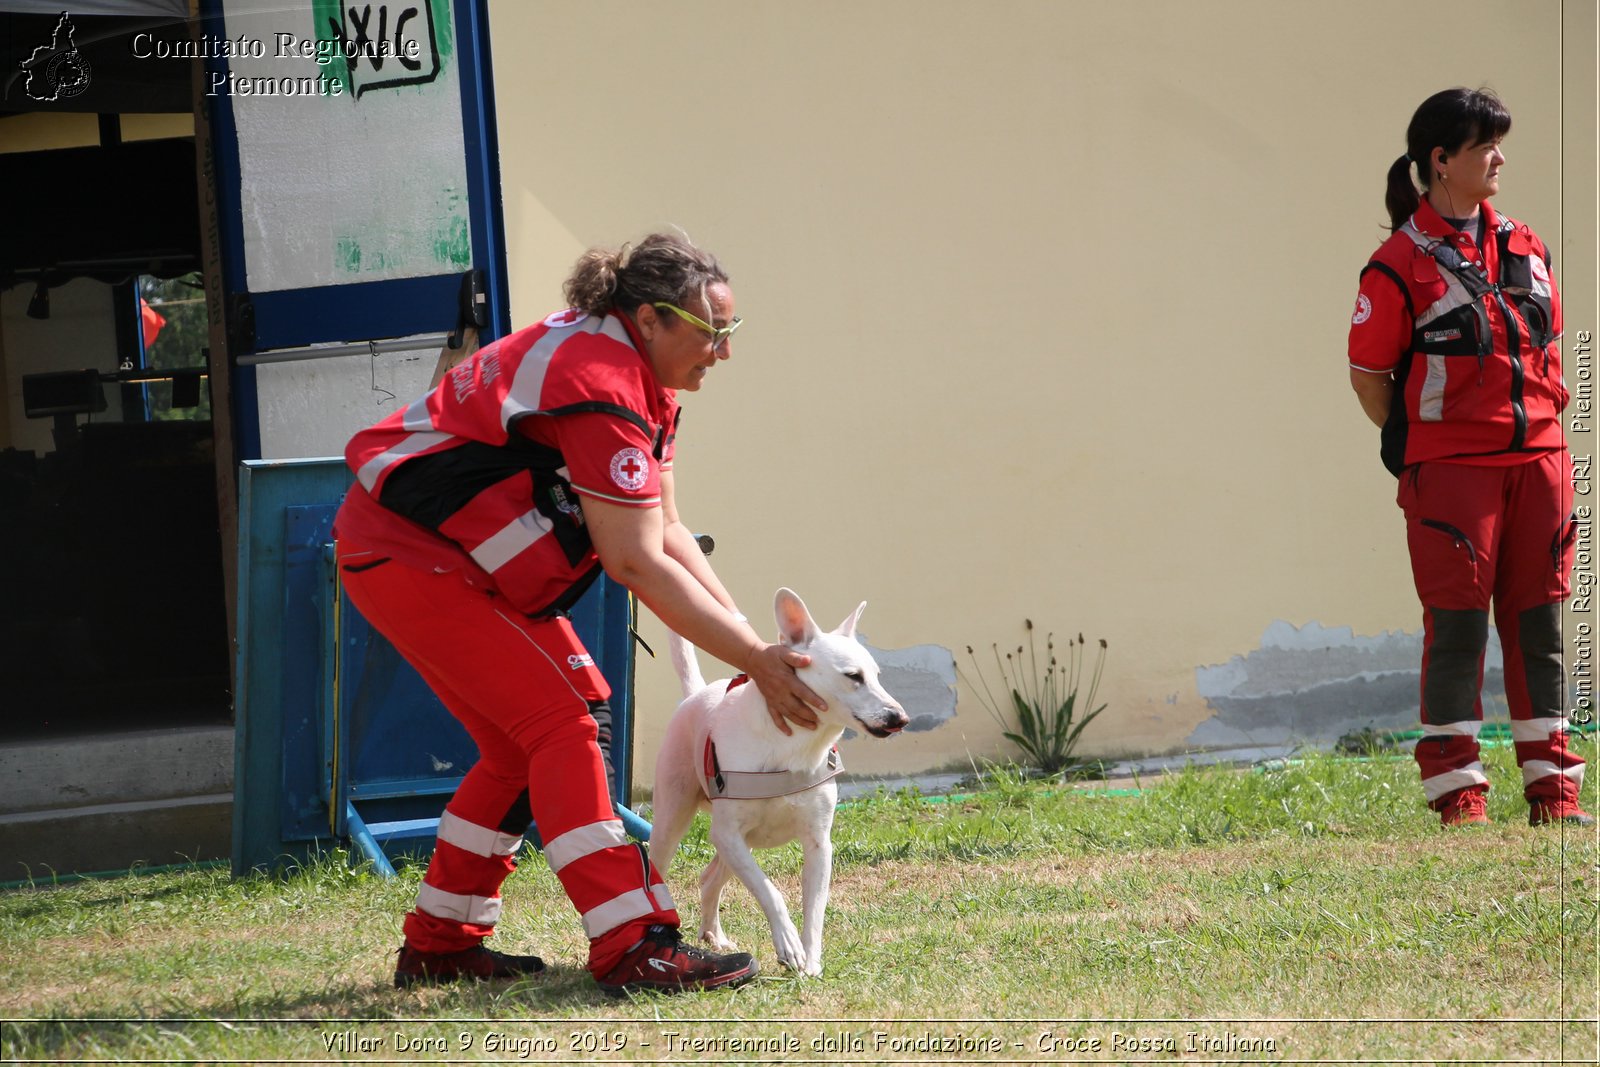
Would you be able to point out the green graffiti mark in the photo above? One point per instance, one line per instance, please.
(327, 20)
(452, 234)
(338, 25)
(444, 24)
(452, 244)
(347, 255)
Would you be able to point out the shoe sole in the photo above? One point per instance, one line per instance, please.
(406, 981)
(725, 981)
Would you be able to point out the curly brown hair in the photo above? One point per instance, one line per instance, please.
(661, 267)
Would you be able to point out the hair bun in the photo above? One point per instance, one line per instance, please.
(659, 267)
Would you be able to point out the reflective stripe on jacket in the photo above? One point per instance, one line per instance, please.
(1481, 373)
(455, 463)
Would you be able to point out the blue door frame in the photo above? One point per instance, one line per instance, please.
(360, 310)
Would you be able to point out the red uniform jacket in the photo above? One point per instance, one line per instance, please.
(1470, 335)
(484, 473)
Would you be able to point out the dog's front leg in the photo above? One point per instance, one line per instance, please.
(816, 876)
(715, 876)
(732, 850)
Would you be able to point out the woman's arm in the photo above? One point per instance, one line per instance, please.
(680, 544)
(1376, 393)
(631, 543)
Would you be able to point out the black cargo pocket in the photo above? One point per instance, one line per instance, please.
(1562, 542)
(1461, 540)
(558, 503)
(1444, 564)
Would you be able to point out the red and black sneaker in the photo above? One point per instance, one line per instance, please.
(662, 962)
(1541, 812)
(1464, 807)
(477, 962)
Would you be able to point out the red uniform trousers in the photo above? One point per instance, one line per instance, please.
(1500, 533)
(522, 688)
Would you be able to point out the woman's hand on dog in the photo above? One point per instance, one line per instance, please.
(771, 668)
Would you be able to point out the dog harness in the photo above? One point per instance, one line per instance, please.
(761, 785)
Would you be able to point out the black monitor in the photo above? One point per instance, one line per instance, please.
(67, 392)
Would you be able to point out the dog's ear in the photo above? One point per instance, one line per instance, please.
(848, 627)
(795, 626)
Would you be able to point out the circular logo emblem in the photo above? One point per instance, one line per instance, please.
(569, 317)
(1363, 310)
(630, 468)
(68, 75)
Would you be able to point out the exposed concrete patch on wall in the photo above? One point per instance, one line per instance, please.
(1317, 683)
(922, 678)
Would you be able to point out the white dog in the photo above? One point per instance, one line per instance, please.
(764, 788)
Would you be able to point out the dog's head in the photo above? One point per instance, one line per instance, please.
(841, 672)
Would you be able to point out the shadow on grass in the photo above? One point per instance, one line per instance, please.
(560, 991)
(49, 901)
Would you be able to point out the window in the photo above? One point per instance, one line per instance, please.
(175, 335)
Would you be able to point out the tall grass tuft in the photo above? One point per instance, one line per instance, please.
(1042, 715)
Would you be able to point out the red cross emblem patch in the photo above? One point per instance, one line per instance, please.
(569, 317)
(630, 468)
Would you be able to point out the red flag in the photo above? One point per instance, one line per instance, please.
(152, 322)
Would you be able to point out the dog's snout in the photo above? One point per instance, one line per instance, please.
(892, 720)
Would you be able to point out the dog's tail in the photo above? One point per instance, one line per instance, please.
(686, 663)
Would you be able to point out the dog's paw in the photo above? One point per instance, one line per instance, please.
(791, 953)
(717, 942)
(813, 967)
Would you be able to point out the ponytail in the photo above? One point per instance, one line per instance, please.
(1401, 197)
(664, 267)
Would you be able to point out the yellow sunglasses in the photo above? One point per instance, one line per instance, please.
(718, 336)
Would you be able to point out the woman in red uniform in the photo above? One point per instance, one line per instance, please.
(481, 512)
(1454, 353)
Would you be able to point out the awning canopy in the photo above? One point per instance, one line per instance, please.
(99, 212)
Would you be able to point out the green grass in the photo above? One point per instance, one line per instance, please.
(1317, 905)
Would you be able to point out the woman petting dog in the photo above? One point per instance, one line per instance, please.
(480, 514)
(1454, 353)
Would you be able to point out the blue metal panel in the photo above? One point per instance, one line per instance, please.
(603, 621)
(337, 738)
(401, 754)
(306, 763)
(355, 311)
(265, 695)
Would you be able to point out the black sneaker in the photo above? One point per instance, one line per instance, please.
(476, 962)
(663, 962)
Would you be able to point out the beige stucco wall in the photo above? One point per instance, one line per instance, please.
(43, 130)
(1046, 305)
